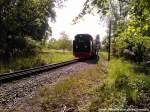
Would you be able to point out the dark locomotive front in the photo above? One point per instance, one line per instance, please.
(83, 46)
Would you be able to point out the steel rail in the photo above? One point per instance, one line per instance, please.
(32, 71)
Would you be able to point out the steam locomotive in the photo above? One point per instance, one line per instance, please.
(84, 46)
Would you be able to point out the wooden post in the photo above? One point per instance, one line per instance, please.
(109, 41)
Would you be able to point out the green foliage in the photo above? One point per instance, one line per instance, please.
(105, 44)
(121, 77)
(135, 41)
(62, 43)
(53, 44)
(123, 87)
(41, 58)
(65, 43)
(130, 27)
(102, 4)
(23, 19)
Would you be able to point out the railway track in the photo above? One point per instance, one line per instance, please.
(33, 71)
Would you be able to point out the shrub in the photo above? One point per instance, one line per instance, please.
(123, 87)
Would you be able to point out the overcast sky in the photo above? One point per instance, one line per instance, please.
(89, 24)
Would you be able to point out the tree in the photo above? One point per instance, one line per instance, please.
(62, 43)
(21, 20)
(65, 43)
(130, 25)
(53, 44)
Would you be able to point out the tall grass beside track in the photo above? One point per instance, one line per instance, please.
(124, 88)
(42, 58)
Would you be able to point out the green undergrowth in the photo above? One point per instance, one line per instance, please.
(42, 58)
(124, 88)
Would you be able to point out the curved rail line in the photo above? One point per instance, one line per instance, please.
(33, 71)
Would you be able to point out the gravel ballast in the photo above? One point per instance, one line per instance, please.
(15, 92)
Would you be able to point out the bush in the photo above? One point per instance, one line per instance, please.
(123, 88)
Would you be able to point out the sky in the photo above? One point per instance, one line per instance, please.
(89, 24)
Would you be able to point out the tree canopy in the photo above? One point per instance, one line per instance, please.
(22, 21)
(63, 42)
(130, 25)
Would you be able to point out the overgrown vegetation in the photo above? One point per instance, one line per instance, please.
(42, 58)
(124, 88)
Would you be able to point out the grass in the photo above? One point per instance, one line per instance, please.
(54, 56)
(124, 88)
(42, 58)
(116, 86)
(71, 93)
